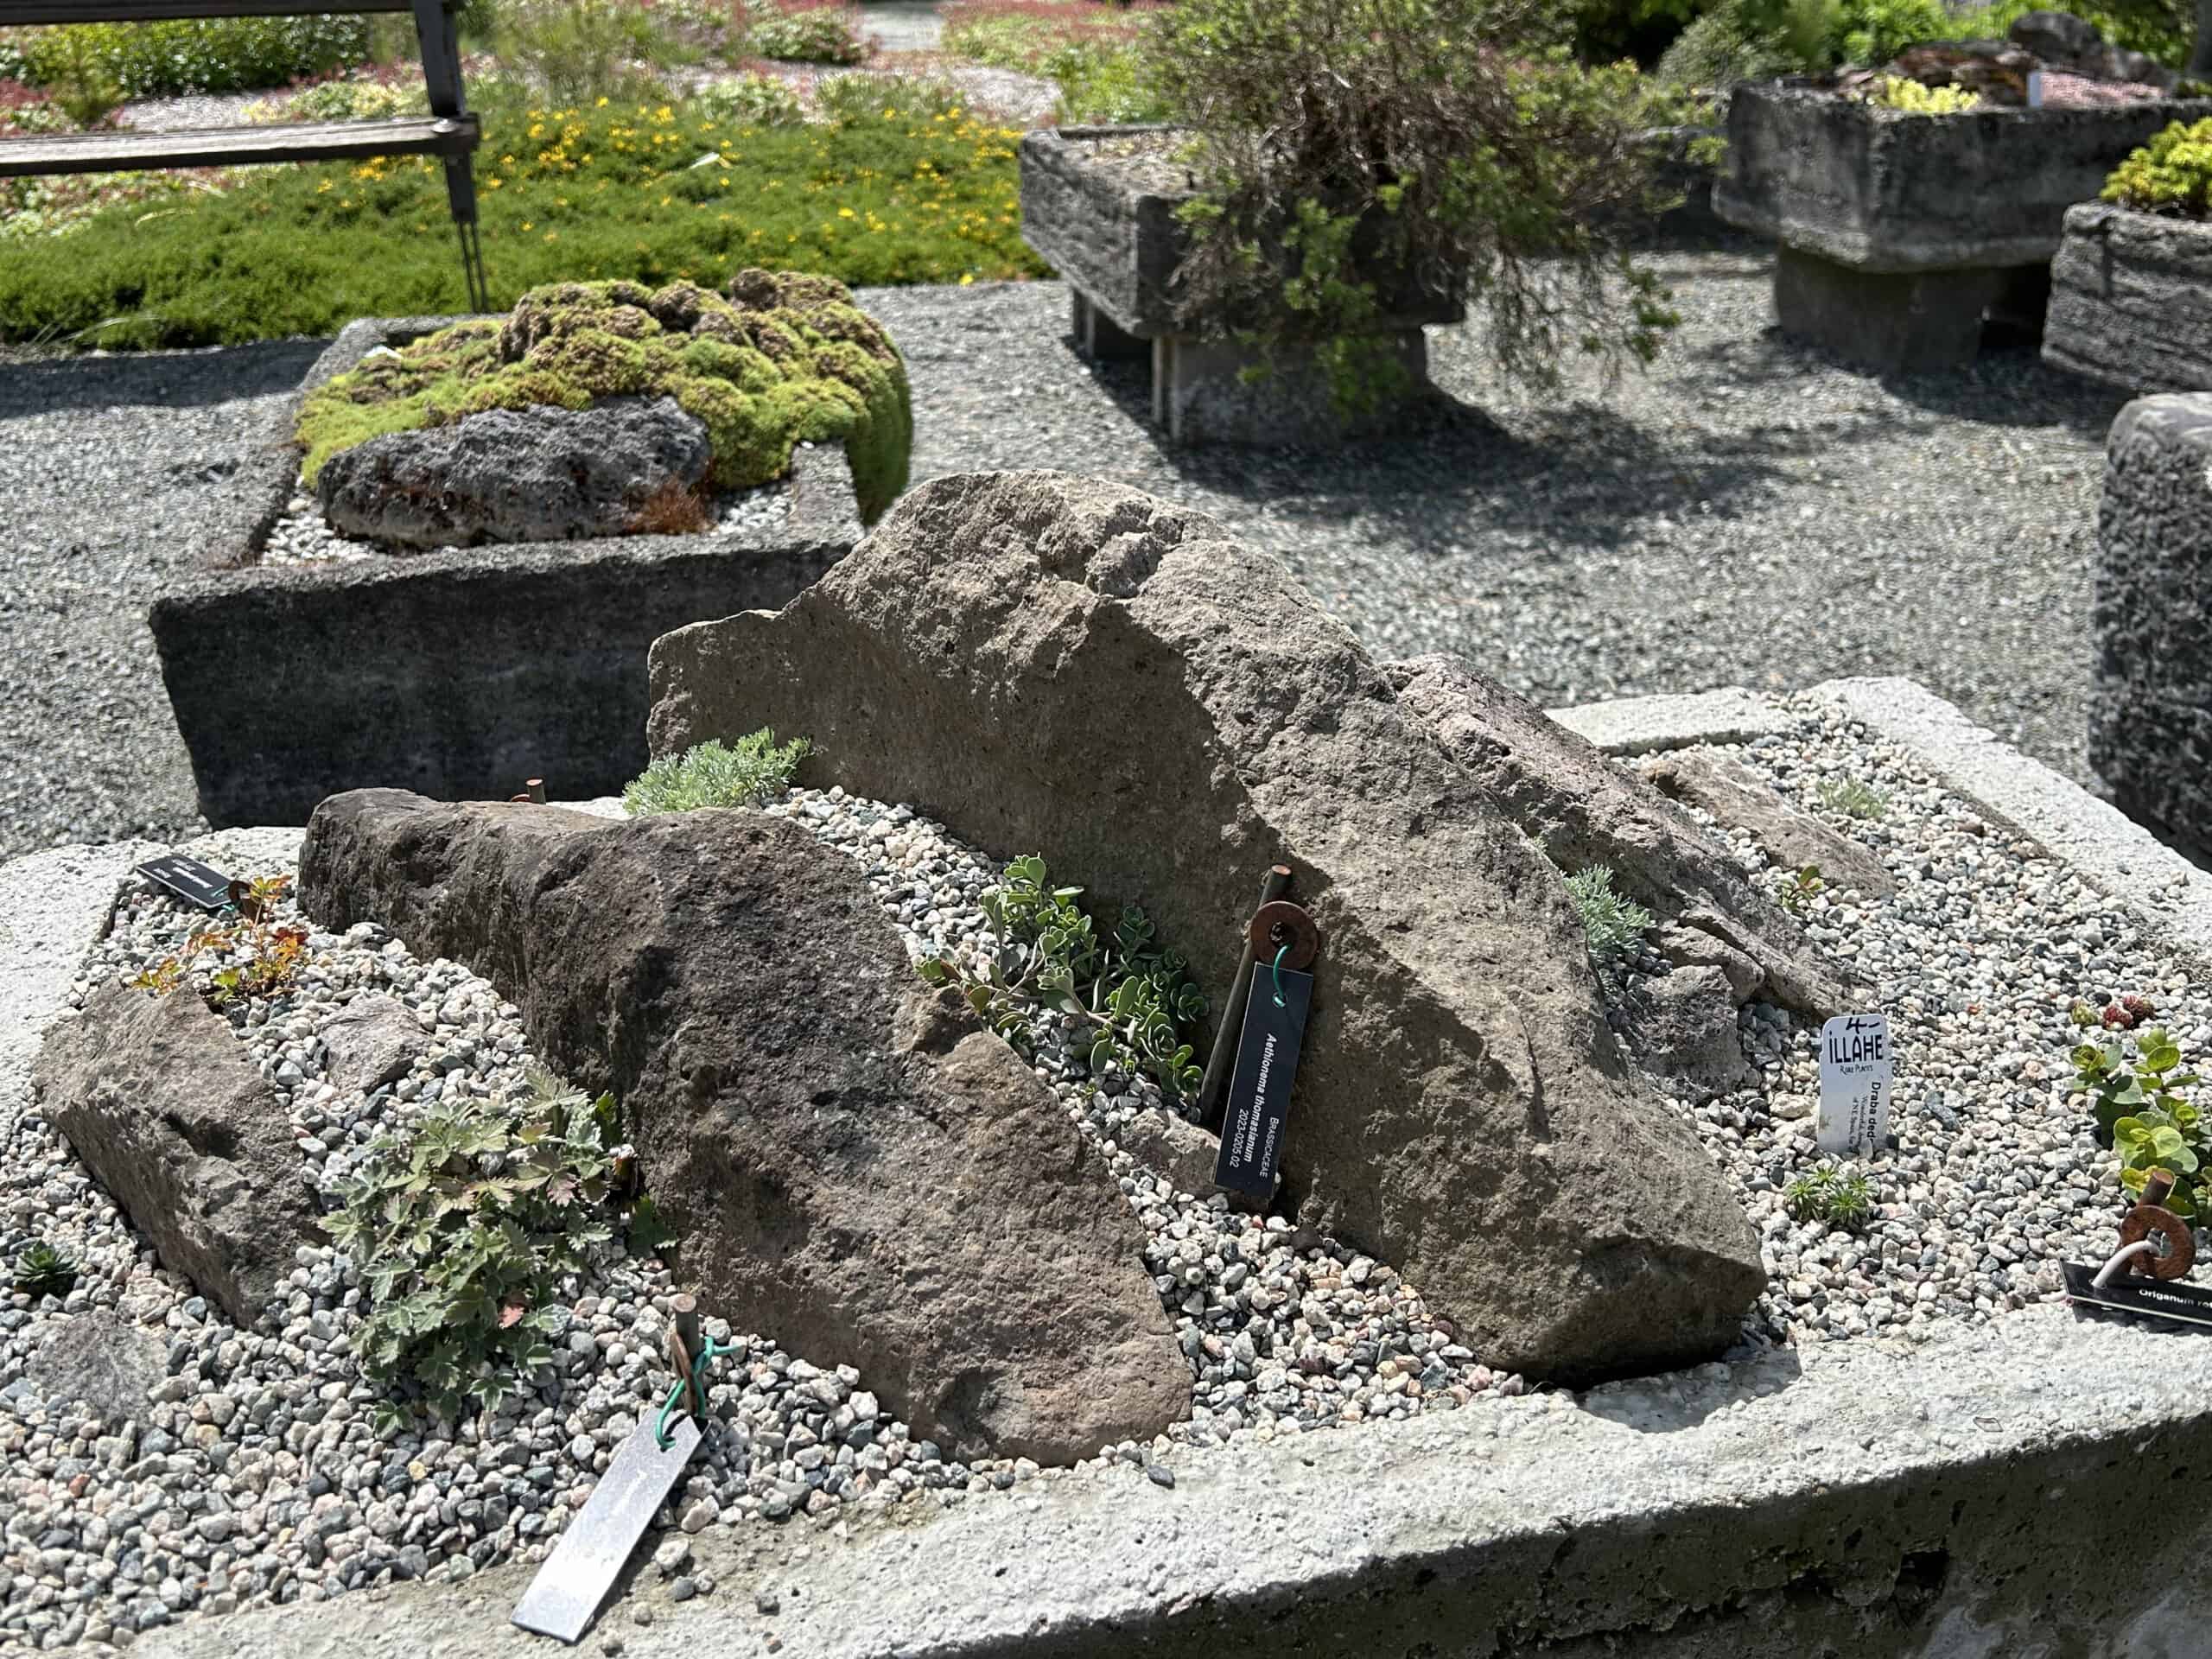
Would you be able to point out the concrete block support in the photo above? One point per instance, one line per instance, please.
(1097, 335)
(1201, 394)
(2151, 679)
(1893, 323)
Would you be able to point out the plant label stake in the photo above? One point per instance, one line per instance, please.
(1857, 1064)
(582, 1568)
(1284, 944)
(191, 880)
(1215, 1082)
(2140, 1282)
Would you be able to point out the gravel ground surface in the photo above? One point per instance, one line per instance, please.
(1746, 514)
(254, 1473)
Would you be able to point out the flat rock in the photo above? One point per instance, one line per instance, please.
(1682, 1026)
(1182, 1151)
(97, 1360)
(1792, 837)
(372, 1041)
(1062, 665)
(157, 1097)
(508, 475)
(858, 1168)
(1584, 810)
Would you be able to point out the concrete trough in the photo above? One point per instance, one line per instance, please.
(2130, 301)
(2018, 1491)
(1901, 233)
(457, 674)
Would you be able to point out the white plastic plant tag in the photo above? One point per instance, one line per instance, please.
(2035, 89)
(1857, 1064)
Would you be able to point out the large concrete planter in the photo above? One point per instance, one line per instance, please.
(1900, 233)
(2130, 301)
(2151, 679)
(457, 675)
(1099, 207)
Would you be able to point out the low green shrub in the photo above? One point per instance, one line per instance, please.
(753, 770)
(2172, 175)
(167, 60)
(1911, 98)
(1131, 997)
(772, 360)
(580, 51)
(464, 1228)
(596, 194)
(807, 34)
(749, 100)
(343, 99)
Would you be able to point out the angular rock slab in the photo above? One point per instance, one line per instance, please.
(1068, 665)
(157, 1097)
(1792, 837)
(859, 1169)
(1585, 809)
(96, 1359)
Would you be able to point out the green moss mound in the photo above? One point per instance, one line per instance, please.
(776, 359)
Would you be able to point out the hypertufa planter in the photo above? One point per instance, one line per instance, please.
(1900, 233)
(459, 674)
(1098, 204)
(2130, 300)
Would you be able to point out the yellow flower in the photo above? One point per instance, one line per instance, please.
(844, 212)
(602, 104)
(967, 278)
(527, 226)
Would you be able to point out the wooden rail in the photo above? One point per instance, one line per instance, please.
(127, 149)
(448, 131)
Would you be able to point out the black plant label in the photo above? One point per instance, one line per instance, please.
(1259, 1087)
(2165, 1304)
(190, 880)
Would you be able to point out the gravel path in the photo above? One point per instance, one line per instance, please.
(116, 472)
(1747, 513)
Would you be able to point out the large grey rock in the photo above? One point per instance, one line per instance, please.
(1175, 1148)
(516, 475)
(97, 1360)
(2130, 300)
(1065, 664)
(371, 1041)
(156, 1095)
(859, 1168)
(1791, 837)
(2151, 678)
(1584, 809)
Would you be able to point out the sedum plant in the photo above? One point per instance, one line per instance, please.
(1853, 799)
(1910, 97)
(463, 1228)
(2172, 175)
(1141, 1011)
(753, 770)
(43, 1270)
(1614, 925)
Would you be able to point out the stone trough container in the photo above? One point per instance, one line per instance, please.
(1098, 204)
(1900, 233)
(458, 674)
(2130, 301)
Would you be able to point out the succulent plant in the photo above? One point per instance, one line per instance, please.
(43, 1270)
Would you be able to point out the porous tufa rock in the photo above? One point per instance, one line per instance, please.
(1068, 664)
(773, 360)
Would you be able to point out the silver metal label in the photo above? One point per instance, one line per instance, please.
(582, 1568)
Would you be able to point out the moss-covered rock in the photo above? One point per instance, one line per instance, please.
(776, 359)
